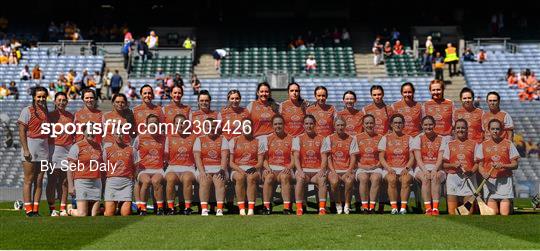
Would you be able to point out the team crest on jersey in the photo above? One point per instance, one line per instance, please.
(310, 153)
(296, 118)
(495, 158)
(120, 163)
(245, 157)
(461, 156)
(398, 151)
(368, 150)
(212, 154)
(408, 118)
(339, 154)
(153, 152)
(182, 150)
(438, 116)
(84, 116)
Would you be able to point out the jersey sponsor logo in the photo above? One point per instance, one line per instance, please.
(212, 154)
(339, 154)
(310, 153)
(368, 150)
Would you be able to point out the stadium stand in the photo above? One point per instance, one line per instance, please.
(404, 66)
(169, 65)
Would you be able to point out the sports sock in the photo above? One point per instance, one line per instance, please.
(241, 205)
(287, 205)
(251, 205)
(170, 204)
(364, 204)
(427, 205)
(393, 204)
(267, 205)
(436, 204)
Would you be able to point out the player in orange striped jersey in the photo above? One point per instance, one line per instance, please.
(181, 165)
(352, 116)
(205, 111)
(378, 109)
(460, 166)
(34, 148)
(151, 148)
(175, 106)
(369, 173)
(311, 164)
(89, 112)
(122, 113)
(341, 150)
(397, 158)
(410, 109)
(471, 114)
(494, 100)
(428, 152)
(293, 110)
(323, 113)
(59, 148)
(211, 153)
(279, 164)
(146, 108)
(439, 108)
(262, 110)
(232, 114)
(246, 161)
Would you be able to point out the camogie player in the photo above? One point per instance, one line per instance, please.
(439, 108)
(471, 114)
(181, 165)
(501, 156)
(341, 150)
(369, 173)
(262, 110)
(323, 113)
(246, 161)
(34, 148)
(293, 110)
(175, 106)
(88, 113)
(352, 116)
(460, 166)
(494, 100)
(311, 164)
(378, 109)
(278, 166)
(150, 147)
(146, 108)
(232, 115)
(59, 149)
(428, 152)
(410, 109)
(119, 116)
(396, 157)
(205, 111)
(211, 152)
(85, 183)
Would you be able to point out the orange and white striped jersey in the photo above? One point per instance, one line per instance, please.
(279, 150)
(32, 118)
(396, 149)
(353, 120)
(368, 150)
(261, 118)
(124, 158)
(462, 152)
(442, 113)
(179, 149)
(228, 116)
(142, 111)
(246, 152)
(474, 122)
(62, 118)
(324, 119)
(113, 117)
(504, 117)
(429, 150)
(151, 149)
(211, 149)
(200, 116)
(171, 110)
(382, 117)
(340, 150)
(84, 152)
(310, 150)
(412, 115)
(85, 115)
(293, 116)
(491, 152)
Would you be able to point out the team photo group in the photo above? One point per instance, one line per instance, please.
(378, 154)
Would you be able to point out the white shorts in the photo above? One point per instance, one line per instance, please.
(417, 171)
(39, 149)
(376, 170)
(277, 168)
(499, 188)
(458, 185)
(181, 169)
(151, 171)
(309, 172)
(118, 189)
(243, 167)
(399, 171)
(212, 170)
(88, 189)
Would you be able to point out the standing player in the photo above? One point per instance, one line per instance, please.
(494, 100)
(369, 172)
(88, 113)
(293, 110)
(150, 148)
(378, 109)
(232, 115)
(460, 166)
(471, 114)
(205, 111)
(262, 110)
(311, 164)
(34, 148)
(501, 155)
(397, 159)
(410, 109)
(246, 161)
(211, 154)
(439, 108)
(59, 149)
(428, 151)
(341, 149)
(279, 164)
(352, 116)
(120, 115)
(181, 169)
(142, 111)
(323, 113)
(175, 106)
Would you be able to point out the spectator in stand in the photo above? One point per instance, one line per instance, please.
(4, 91)
(482, 56)
(531, 148)
(13, 91)
(127, 35)
(37, 73)
(4, 59)
(142, 49)
(131, 92)
(427, 61)
(195, 84)
(387, 50)
(451, 59)
(299, 43)
(169, 83)
(14, 57)
(99, 84)
(395, 35)
(218, 55)
(160, 76)
(512, 78)
(377, 51)
(152, 40)
(528, 94)
(311, 63)
(52, 91)
(521, 147)
(159, 91)
(468, 55)
(398, 48)
(25, 73)
(429, 46)
(116, 82)
(178, 81)
(126, 51)
(188, 43)
(438, 65)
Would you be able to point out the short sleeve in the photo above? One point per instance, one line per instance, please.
(415, 143)
(262, 146)
(224, 144)
(382, 144)
(296, 144)
(508, 122)
(136, 157)
(249, 107)
(478, 153)
(353, 149)
(513, 152)
(326, 145)
(73, 152)
(24, 118)
(231, 145)
(446, 151)
(411, 139)
(197, 145)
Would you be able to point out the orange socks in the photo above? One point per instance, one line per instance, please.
(427, 205)
(372, 205)
(170, 204)
(393, 204)
(251, 205)
(364, 205)
(220, 204)
(267, 205)
(436, 204)
(287, 205)
(241, 205)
